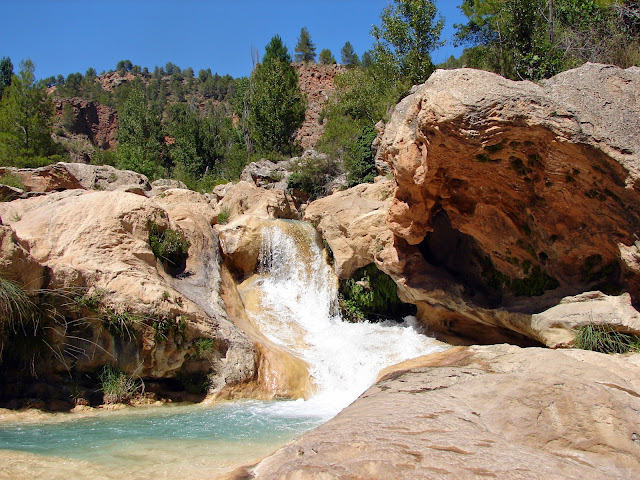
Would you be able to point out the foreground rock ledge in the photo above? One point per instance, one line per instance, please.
(497, 411)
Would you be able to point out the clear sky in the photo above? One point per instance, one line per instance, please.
(66, 36)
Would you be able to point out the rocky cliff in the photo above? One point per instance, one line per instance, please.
(316, 83)
(509, 196)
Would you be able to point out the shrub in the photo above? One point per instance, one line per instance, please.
(370, 293)
(117, 387)
(169, 245)
(224, 216)
(120, 324)
(204, 346)
(604, 339)
(359, 160)
(313, 176)
(12, 180)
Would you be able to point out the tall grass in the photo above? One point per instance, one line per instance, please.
(17, 311)
(118, 387)
(604, 339)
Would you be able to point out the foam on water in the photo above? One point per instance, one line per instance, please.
(298, 311)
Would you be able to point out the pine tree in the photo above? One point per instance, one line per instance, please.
(139, 135)
(6, 70)
(326, 57)
(349, 56)
(275, 102)
(305, 49)
(25, 118)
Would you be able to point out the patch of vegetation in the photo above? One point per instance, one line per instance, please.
(203, 347)
(368, 295)
(605, 339)
(496, 280)
(91, 301)
(224, 215)
(534, 285)
(164, 325)
(12, 180)
(120, 324)
(117, 386)
(359, 161)
(518, 166)
(494, 148)
(20, 324)
(169, 245)
(313, 175)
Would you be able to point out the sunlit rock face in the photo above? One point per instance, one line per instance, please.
(144, 317)
(496, 411)
(512, 195)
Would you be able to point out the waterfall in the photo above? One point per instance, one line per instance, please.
(299, 312)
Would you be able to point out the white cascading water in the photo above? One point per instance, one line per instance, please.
(299, 311)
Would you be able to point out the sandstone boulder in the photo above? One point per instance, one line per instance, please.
(513, 195)
(353, 224)
(245, 198)
(471, 412)
(96, 244)
(267, 174)
(68, 176)
(557, 326)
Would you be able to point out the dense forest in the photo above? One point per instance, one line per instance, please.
(203, 129)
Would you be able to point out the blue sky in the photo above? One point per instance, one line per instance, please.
(66, 36)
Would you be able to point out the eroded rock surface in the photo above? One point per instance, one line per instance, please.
(353, 224)
(511, 195)
(96, 244)
(471, 412)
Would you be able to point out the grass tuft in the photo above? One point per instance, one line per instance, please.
(118, 387)
(605, 339)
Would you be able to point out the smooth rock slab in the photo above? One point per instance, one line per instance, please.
(474, 412)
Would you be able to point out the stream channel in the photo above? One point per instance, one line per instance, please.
(297, 310)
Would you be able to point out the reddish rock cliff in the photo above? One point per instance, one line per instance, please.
(316, 82)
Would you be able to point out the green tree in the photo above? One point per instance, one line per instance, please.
(326, 57)
(68, 118)
(305, 49)
(539, 38)
(6, 71)
(139, 135)
(349, 56)
(408, 33)
(124, 66)
(26, 114)
(276, 107)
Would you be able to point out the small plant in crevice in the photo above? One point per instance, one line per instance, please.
(224, 216)
(605, 339)
(203, 347)
(170, 246)
(165, 325)
(120, 324)
(118, 387)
